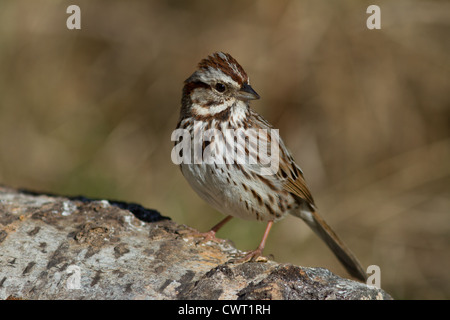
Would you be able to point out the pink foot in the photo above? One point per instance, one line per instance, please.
(207, 236)
(251, 256)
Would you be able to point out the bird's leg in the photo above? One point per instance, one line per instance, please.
(254, 254)
(211, 234)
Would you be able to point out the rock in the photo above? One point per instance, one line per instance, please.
(54, 247)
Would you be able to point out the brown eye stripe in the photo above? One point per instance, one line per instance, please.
(191, 86)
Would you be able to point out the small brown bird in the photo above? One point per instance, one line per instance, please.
(216, 98)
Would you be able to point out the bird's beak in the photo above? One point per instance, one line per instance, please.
(247, 93)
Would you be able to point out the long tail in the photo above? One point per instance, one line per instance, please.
(339, 248)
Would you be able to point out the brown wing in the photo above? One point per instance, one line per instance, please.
(292, 177)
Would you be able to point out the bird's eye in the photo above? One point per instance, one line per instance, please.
(220, 87)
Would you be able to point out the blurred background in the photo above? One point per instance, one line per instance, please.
(366, 114)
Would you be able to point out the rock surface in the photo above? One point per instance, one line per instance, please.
(55, 247)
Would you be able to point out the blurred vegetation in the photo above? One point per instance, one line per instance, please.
(366, 114)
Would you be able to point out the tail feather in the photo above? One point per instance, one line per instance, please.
(339, 248)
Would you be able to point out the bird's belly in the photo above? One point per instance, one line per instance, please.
(234, 192)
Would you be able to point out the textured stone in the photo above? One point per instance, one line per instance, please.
(55, 247)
